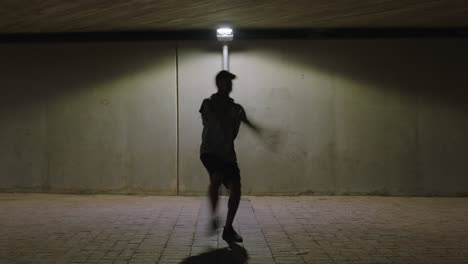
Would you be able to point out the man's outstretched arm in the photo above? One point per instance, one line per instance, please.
(246, 121)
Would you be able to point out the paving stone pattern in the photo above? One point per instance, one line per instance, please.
(51, 228)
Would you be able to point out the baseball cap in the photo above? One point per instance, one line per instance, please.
(222, 75)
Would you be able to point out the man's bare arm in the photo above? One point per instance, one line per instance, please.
(246, 121)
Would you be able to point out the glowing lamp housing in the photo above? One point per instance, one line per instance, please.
(224, 34)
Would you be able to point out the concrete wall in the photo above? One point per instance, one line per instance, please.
(339, 116)
(84, 117)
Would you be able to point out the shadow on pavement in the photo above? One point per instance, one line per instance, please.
(234, 254)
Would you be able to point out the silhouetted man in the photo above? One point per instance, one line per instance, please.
(221, 120)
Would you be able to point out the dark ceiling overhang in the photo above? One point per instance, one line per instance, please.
(245, 34)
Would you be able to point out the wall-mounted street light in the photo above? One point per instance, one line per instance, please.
(225, 35)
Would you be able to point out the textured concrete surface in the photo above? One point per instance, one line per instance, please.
(88, 117)
(347, 117)
(45, 228)
(340, 116)
(118, 15)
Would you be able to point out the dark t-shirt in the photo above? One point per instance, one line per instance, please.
(221, 121)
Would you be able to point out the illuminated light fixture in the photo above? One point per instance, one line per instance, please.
(224, 34)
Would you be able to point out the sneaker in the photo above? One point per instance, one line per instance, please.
(229, 235)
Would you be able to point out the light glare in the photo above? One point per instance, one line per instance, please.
(224, 34)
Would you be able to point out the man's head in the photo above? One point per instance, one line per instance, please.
(224, 82)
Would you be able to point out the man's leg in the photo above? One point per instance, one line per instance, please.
(233, 203)
(216, 178)
(234, 198)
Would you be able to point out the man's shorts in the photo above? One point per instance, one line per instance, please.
(229, 170)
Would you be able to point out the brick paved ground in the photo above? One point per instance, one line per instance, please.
(44, 228)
